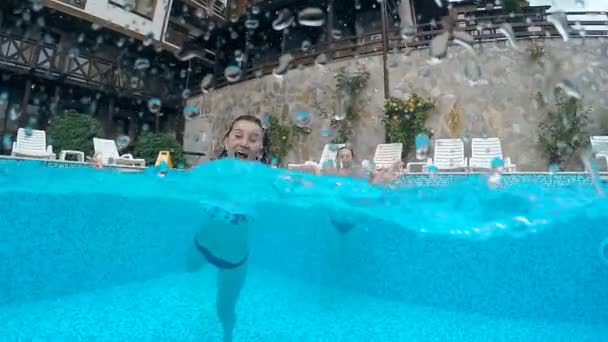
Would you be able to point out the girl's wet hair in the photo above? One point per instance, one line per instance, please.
(347, 147)
(265, 140)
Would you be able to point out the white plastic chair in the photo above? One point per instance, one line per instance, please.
(108, 152)
(330, 153)
(599, 147)
(32, 145)
(448, 155)
(387, 155)
(484, 151)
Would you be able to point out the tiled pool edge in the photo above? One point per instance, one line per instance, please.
(406, 179)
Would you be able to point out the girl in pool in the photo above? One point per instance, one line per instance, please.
(224, 241)
(345, 166)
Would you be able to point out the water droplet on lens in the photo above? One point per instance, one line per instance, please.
(73, 52)
(186, 93)
(497, 163)
(311, 16)
(559, 20)
(206, 83)
(283, 66)
(255, 9)
(408, 31)
(580, 3)
(439, 47)
(326, 131)
(252, 23)
(554, 168)
(232, 73)
(321, 59)
(339, 116)
(305, 45)
(13, 114)
(472, 71)
(154, 105)
(265, 119)
(148, 39)
(303, 119)
(191, 111)
(142, 64)
(507, 30)
(37, 5)
(284, 20)
(570, 89)
(422, 141)
(7, 141)
(122, 142)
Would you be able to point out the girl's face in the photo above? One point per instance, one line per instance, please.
(245, 140)
(345, 157)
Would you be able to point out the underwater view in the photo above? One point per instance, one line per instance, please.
(104, 257)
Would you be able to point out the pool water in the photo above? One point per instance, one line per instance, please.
(100, 255)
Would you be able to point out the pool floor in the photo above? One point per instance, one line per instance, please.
(180, 307)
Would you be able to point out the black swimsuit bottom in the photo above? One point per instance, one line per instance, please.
(218, 262)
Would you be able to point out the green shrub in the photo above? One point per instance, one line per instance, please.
(149, 144)
(563, 133)
(74, 131)
(404, 119)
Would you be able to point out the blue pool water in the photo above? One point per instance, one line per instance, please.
(100, 255)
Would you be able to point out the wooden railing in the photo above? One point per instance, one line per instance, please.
(19, 54)
(533, 24)
(214, 8)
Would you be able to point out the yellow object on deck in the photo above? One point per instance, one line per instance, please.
(164, 156)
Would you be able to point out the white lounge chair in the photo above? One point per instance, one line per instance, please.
(599, 147)
(448, 155)
(32, 145)
(387, 155)
(108, 152)
(329, 154)
(484, 151)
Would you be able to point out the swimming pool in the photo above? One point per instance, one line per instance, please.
(99, 255)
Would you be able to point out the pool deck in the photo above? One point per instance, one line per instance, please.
(603, 176)
(181, 307)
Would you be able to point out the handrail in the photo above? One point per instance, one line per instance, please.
(49, 61)
(525, 26)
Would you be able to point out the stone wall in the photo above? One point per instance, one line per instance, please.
(503, 102)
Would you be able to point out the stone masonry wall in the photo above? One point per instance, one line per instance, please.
(503, 102)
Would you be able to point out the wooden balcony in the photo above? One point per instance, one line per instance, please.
(213, 8)
(25, 56)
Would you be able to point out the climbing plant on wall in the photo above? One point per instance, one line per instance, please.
(404, 119)
(349, 95)
(282, 137)
(563, 131)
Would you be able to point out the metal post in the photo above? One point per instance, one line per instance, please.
(385, 46)
(330, 22)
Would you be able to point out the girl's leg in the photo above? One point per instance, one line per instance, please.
(229, 285)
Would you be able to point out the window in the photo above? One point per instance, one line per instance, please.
(144, 8)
